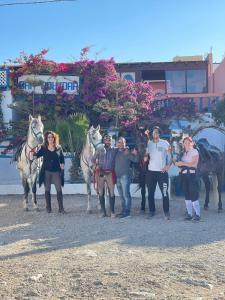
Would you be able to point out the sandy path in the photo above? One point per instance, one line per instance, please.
(80, 256)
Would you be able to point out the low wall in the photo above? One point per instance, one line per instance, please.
(68, 189)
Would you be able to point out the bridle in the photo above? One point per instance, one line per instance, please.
(92, 142)
(32, 149)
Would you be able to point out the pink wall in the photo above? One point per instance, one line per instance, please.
(219, 79)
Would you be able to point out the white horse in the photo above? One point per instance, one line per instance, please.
(93, 143)
(28, 166)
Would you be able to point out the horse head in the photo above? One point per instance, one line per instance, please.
(36, 129)
(95, 138)
(176, 145)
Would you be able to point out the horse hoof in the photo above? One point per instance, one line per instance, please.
(206, 207)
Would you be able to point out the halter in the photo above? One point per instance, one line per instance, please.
(91, 141)
(32, 149)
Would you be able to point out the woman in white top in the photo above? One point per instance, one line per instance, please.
(188, 166)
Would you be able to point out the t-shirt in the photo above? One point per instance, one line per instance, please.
(158, 153)
(188, 156)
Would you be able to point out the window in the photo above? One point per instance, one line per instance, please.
(196, 81)
(175, 82)
(153, 75)
(189, 81)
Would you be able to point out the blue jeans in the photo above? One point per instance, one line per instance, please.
(123, 187)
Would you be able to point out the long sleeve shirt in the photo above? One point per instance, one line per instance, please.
(106, 160)
(51, 159)
(122, 162)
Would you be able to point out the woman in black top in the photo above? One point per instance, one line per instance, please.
(52, 168)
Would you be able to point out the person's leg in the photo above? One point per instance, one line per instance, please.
(120, 191)
(143, 192)
(163, 180)
(128, 200)
(110, 186)
(151, 181)
(56, 179)
(186, 189)
(47, 183)
(101, 192)
(194, 195)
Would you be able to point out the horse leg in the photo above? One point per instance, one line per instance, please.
(219, 187)
(26, 193)
(206, 181)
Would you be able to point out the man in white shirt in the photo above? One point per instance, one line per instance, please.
(158, 153)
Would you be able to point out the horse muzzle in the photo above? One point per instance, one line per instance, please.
(40, 139)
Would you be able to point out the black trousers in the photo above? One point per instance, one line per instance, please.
(152, 178)
(190, 186)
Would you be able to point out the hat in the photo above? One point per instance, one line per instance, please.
(107, 137)
(156, 127)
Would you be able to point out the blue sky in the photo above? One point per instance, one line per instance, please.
(128, 30)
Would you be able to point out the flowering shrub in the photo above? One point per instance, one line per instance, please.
(103, 97)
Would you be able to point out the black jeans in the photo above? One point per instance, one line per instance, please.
(152, 178)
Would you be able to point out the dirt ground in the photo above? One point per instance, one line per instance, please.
(81, 256)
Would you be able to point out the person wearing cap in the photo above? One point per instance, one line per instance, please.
(105, 161)
(189, 179)
(159, 157)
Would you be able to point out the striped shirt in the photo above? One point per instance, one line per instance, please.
(106, 160)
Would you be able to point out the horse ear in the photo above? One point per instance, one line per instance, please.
(39, 117)
(30, 118)
(98, 127)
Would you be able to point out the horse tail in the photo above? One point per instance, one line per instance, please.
(215, 194)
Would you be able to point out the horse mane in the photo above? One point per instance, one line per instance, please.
(18, 152)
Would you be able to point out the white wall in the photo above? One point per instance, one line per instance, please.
(6, 100)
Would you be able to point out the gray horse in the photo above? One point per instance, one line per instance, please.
(28, 166)
(93, 143)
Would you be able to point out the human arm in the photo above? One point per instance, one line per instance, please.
(39, 153)
(169, 160)
(191, 164)
(133, 156)
(61, 159)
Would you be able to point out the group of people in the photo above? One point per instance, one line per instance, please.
(112, 167)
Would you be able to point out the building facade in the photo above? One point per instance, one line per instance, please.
(192, 77)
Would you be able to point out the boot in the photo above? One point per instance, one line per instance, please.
(48, 202)
(60, 202)
(112, 204)
(102, 203)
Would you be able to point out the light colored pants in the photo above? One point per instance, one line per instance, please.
(106, 178)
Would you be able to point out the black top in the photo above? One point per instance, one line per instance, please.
(51, 159)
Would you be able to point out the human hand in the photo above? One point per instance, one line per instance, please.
(134, 151)
(62, 166)
(179, 164)
(146, 158)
